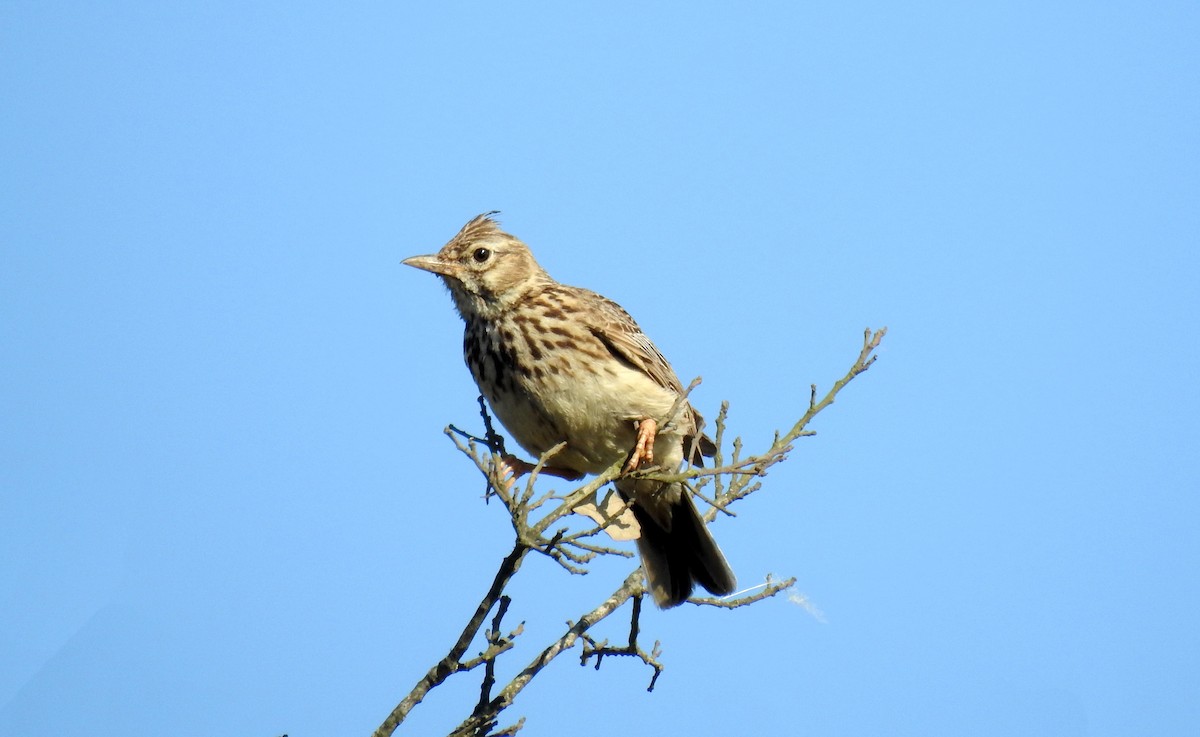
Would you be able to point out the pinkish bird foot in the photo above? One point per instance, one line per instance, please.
(643, 449)
(512, 466)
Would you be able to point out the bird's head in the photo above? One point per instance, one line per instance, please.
(485, 268)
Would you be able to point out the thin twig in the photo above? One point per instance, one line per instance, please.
(489, 671)
(631, 586)
(448, 665)
(740, 599)
(632, 649)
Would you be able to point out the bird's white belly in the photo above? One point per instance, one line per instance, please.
(597, 414)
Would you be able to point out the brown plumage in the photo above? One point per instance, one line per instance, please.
(560, 363)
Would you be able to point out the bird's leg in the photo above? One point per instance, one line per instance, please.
(510, 464)
(643, 449)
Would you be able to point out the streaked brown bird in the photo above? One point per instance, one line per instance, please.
(560, 363)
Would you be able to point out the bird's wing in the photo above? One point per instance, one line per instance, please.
(622, 336)
(618, 331)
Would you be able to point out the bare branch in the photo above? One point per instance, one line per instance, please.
(731, 479)
(448, 665)
(743, 598)
(497, 645)
(631, 586)
(632, 649)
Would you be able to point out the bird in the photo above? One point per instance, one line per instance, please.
(562, 364)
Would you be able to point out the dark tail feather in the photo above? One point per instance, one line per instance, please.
(679, 557)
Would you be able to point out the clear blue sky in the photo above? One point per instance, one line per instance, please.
(227, 507)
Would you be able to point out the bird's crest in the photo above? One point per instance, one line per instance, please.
(479, 227)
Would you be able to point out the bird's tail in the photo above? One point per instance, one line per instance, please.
(678, 551)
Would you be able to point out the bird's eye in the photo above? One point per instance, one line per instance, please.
(481, 254)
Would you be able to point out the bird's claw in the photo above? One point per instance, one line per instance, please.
(643, 449)
(510, 468)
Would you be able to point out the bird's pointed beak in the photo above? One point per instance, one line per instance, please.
(431, 264)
